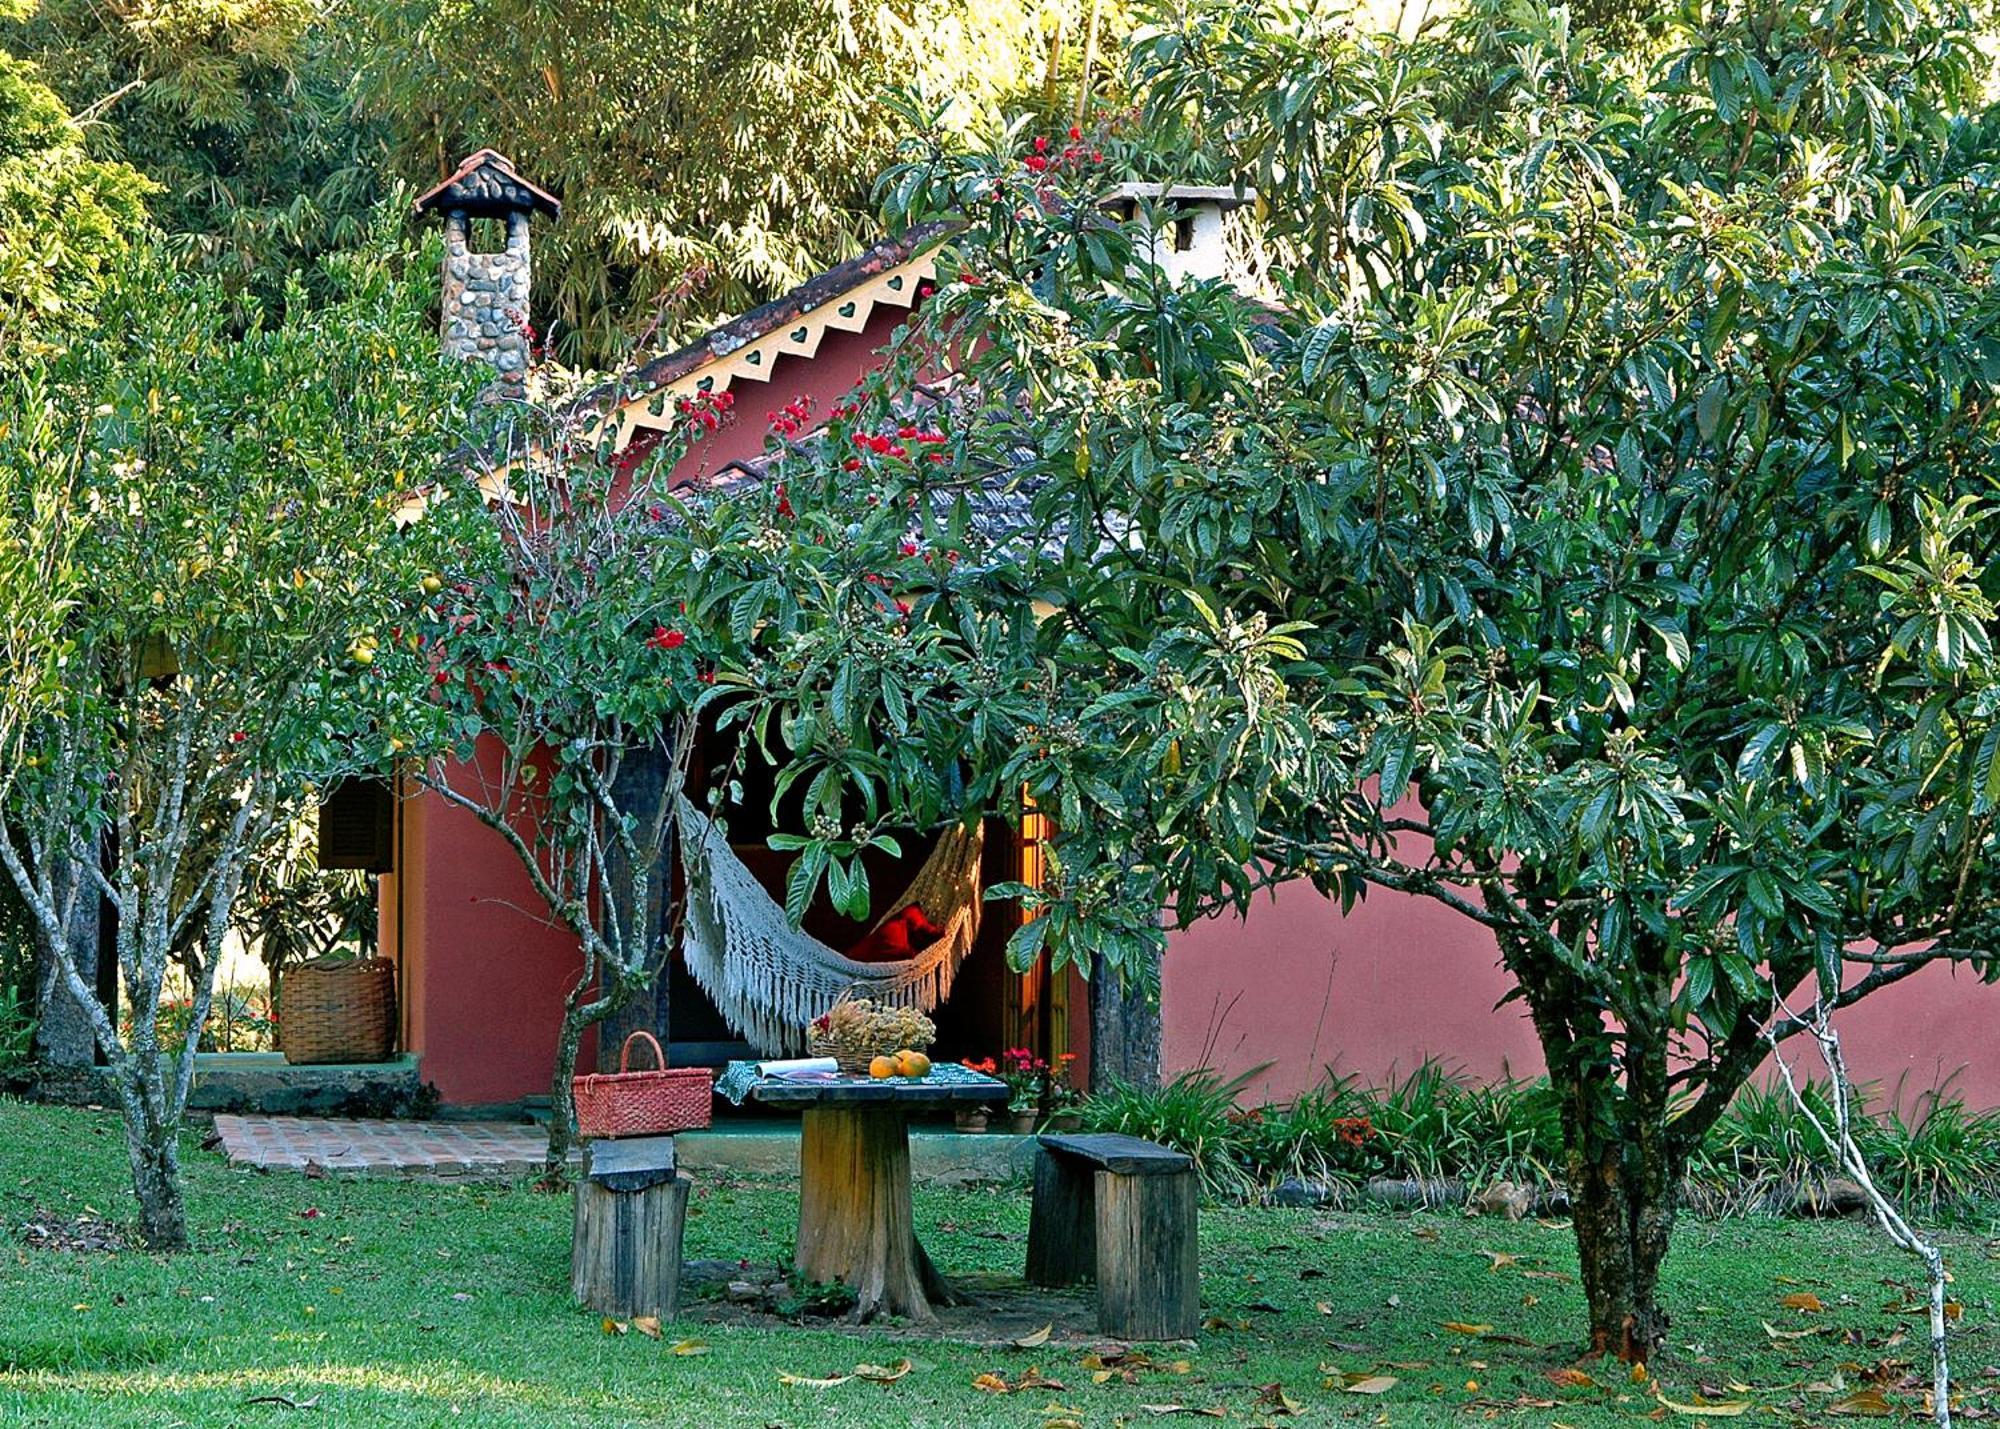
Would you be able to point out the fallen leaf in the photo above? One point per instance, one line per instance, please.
(688, 1347)
(1462, 1328)
(882, 1374)
(1953, 1310)
(284, 1400)
(1869, 1403)
(1569, 1377)
(1720, 1409)
(615, 1327)
(1777, 1334)
(1210, 1413)
(1500, 1259)
(647, 1325)
(1372, 1384)
(1034, 1338)
(1272, 1396)
(1803, 1300)
(991, 1383)
(810, 1382)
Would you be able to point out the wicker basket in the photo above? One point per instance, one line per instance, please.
(876, 1033)
(643, 1103)
(338, 1011)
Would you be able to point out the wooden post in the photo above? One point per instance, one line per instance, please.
(1062, 1221)
(1148, 1266)
(625, 1249)
(1124, 1032)
(640, 788)
(854, 1212)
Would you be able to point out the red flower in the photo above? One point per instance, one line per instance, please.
(1076, 131)
(1041, 143)
(665, 639)
(902, 607)
(909, 548)
(237, 736)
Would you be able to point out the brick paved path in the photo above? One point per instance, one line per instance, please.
(484, 1150)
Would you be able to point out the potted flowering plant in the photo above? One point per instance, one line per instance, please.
(1060, 1096)
(1026, 1076)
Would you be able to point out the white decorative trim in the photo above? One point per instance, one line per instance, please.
(756, 360)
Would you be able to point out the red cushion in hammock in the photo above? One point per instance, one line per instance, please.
(909, 931)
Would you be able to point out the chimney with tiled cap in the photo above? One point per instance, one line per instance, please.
(1189, 237)
(486, 290)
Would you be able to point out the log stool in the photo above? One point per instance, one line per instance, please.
(1120, 1211)
(625, 1247)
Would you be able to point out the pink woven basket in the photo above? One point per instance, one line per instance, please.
(643, 1103)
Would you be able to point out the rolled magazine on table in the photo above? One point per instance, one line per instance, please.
(797, 1067)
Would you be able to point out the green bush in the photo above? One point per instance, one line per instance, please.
(1438, 1125)
(1195, 1112)
(17, 1029)
(1943, 1157)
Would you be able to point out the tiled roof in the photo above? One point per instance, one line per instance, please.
(486, 184)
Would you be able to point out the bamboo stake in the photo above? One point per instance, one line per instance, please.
(1839, 1139)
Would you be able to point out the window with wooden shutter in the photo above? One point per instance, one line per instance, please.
(356, 826)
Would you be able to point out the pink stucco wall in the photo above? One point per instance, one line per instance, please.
(1401, 978)
(483, 971)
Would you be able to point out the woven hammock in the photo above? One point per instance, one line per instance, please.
(770, 979)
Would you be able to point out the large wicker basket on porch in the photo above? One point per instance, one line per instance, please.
(338, 1011)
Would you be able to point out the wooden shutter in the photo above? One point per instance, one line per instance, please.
(356, 828)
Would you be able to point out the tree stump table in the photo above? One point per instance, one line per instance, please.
(854, 1179)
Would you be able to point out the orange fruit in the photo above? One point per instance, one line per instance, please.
(883, 1067)
(916, 1064)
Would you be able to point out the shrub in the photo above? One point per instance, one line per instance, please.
(1196, 1112)
(17, 1029)
(1942, 1157)
(1437, 1125)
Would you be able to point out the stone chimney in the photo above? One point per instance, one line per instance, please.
(1190, 236)
(486, 287)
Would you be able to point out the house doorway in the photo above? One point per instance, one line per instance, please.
(991, 1006)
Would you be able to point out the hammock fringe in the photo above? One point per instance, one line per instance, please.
(770, 979)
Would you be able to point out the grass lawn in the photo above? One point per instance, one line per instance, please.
(407, 1304)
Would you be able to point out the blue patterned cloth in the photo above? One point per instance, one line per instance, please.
(739, 1079)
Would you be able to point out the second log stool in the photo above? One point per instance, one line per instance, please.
(1119, 1211)
(625, 1249)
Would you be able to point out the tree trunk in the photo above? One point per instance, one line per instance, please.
(1624, 1182)
(1622, 1234)
(1622, 1162)
(152, 1142)
(1124, 1031)
(644, 777)
(64, 1035)
(562, 1100)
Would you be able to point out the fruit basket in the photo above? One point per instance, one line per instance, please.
(856, 1030)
